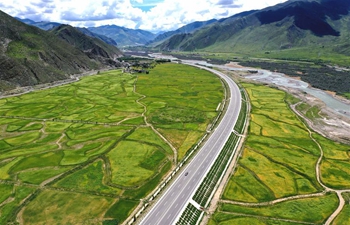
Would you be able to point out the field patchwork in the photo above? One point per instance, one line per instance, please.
(87, 152)
(287, 174)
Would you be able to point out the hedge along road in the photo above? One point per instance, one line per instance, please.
(174, 201)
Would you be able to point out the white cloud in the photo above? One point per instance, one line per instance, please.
(166, 15)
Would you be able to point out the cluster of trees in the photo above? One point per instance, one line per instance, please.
(140, 65)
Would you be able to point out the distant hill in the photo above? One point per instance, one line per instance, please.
(124, 36)
(295, 24)
(44, 25)
(104, 38)
(94, 48)
(29, 55)
(189, 28)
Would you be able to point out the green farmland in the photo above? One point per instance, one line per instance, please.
(87, 152)
(275, 181)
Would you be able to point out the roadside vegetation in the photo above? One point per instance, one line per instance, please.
(87, 152)
(287, 174)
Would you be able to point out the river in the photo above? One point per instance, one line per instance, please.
(280, 79)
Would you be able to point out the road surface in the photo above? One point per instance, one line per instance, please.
(174, 201)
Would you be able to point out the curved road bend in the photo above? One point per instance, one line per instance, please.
(174, 201)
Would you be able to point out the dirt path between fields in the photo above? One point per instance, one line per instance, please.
(151, 126)
(318, 171)
(274, 201)
(218, 195)
(271, 218)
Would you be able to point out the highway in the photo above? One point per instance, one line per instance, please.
(177, 196)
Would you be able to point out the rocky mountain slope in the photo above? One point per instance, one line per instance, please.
(94, 48)
(293, 24)
(29, 55)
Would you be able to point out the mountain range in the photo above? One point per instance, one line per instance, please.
(302, 28)
(44, 25)
(30, 56)
(189, 28)
(293, 24)
(124, 36)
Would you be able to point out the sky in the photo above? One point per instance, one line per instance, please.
(150, 15)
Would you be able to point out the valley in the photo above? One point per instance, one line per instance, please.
(175, 112)
(78, 166)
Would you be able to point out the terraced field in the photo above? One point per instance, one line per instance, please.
(287, 174)
(87, 152)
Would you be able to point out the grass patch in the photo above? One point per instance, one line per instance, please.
(38, 176)
(6, 191)
(125, 161)
(65, 208)
(90, 179)
(50, 159)
(146, 134)
(149, 186)
(5, 169)
(153, 161)
(226, 218)
(315, 210)
(121, 210)
(22, 139)
(246, 187)
(336, 174)
(135, 121)
(333, 150)
(30, 127)
(276, 177)
(9, 211)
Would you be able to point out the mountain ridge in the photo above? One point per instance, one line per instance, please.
(31, 56)
(124, 36)
(287, 25)
(189, 28)
(93, 47)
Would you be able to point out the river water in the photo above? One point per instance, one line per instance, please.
(280, 79)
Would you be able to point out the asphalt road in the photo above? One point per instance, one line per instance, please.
(174, 201)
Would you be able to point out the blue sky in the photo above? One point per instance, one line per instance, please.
(145, 5)
(151, 15)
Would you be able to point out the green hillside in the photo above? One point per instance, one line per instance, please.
(94, 48)
(30, 56)
(295, 29)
